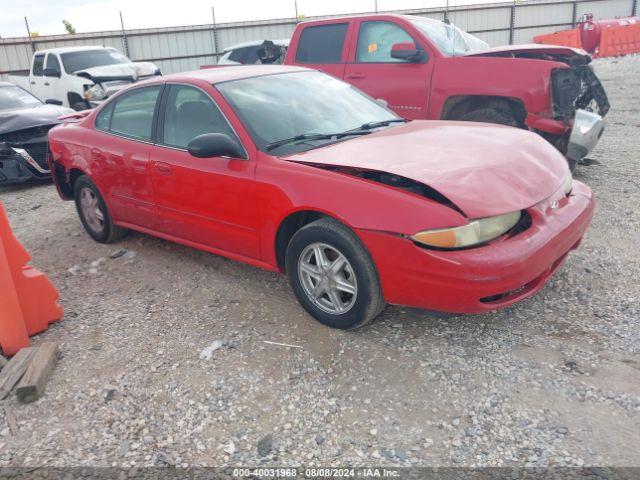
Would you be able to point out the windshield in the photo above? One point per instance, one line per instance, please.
(75, 61)
(12, 97)
(449, 39)
(278, 107)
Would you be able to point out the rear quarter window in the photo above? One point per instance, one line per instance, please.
(322, 43)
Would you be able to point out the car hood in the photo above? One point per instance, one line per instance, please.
(534, 49)
(121, 71)
(484, 169)
(37, 116)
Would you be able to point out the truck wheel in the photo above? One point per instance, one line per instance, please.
(491, 115)
(93, 212)
(333, 275)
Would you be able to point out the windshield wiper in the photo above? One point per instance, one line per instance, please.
(383, 123)
(313, 136)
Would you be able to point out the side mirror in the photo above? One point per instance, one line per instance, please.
(210, 145)
(51, 72)
(406, 51)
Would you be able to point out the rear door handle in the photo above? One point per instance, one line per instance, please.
(162, 168)
(46, 84)
(356, 75)
(32, 82)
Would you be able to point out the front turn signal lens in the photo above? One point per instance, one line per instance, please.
(474, 233)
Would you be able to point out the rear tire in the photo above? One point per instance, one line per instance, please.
(333, 276)
(93, 212)
(491, 115)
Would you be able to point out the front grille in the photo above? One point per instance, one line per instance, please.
(38, 152)
(574, 88)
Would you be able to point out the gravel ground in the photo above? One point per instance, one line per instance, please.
(554, 380)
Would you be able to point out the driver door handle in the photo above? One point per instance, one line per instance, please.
(356, 75)
(162, 168)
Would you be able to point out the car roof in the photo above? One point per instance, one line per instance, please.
(229, 72)
(284, 42)
(73, 49)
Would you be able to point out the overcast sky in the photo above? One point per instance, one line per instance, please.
(45, 16)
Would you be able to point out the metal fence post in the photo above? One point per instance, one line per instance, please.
(125, 43)
(574, 14)
(215, 33)
(634, 8)
(512, 22)
(33, 47)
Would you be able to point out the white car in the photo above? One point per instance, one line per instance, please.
(255, 52)
(81, 77)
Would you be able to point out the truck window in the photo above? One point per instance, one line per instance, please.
(83, 59)
(52, 62)
(38, 65)
(322, 43)
(376, 39)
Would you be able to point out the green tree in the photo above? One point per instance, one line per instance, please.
(68, 27)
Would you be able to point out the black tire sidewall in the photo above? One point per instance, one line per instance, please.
(357, 256)
(85, 182)
(491, 115)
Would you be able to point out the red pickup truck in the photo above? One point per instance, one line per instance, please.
(426, 69)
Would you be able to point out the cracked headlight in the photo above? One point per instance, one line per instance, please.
(474, 233)
(95, 92)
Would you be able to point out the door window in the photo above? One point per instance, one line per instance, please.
(133, 113)
(322, 43)
(52, 62)
(38, 65)
(189, 113)
(376, 39)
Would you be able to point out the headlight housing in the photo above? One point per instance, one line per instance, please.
(95, 92)
(474, 233)
(567, 184)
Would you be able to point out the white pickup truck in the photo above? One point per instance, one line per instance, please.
(81, 77)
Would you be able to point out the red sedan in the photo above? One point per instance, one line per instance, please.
(294, 171)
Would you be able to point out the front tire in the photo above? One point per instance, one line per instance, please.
(333, 276)
(93, 212)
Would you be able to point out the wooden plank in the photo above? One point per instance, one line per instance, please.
(12, 373)
(11, 420)
(34, 382)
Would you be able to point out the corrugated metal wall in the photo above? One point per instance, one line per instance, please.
(176, 49)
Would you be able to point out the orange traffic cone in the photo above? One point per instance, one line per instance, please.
(28, 301)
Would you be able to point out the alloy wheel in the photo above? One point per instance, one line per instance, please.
(91, 210)
(327, 278)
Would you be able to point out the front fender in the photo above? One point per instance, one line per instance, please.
(286, 187)
(527, 80)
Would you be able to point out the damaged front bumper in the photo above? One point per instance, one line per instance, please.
(587, 130)
(18, 165)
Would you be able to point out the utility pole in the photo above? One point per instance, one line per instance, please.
(33, 47)
(215, 32)
(376, 5)
(125, 43)
(295, 5)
